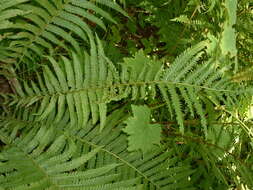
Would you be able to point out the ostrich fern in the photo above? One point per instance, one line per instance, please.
(81, 121)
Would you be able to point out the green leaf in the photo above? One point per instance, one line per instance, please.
(231, 6)
(138, 62)
(142, 134)
(228, 41)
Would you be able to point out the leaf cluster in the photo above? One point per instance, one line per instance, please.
(155, 95)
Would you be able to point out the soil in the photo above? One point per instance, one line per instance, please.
(4, 85)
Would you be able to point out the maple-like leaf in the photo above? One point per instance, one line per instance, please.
(142, 135)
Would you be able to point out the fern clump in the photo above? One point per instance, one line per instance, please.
(109, 97)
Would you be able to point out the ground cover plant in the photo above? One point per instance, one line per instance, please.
(126, 95)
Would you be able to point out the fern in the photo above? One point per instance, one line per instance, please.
(217, 155)
(182, 83)
(68, 124)
(75, 145)
(74, 88)
(29, 163)
(50, 26)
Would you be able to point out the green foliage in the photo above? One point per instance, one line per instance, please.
(43, 143)
(76, 88)
(32, 164)
(142, 134)
(183, 84)
(140, 76)
(155, 96)
(50, 27)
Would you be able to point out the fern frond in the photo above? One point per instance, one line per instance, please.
(74, 86)
(195, 23)
(157, 169)
(50, 25)
(82, 87)
(245, 75)
(220, 148)
(41, 159)
(184, 82)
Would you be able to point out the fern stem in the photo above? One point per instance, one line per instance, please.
(130, 84)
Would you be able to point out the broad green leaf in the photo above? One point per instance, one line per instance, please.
(228, 41)
(231, 6)
(142, 135)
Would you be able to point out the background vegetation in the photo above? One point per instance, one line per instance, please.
(137, 94)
